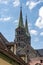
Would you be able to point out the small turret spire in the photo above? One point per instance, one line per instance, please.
(21, 18)
(26, 25)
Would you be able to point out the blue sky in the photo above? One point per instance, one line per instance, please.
(9, 18)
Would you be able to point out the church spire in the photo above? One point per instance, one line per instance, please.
(26, 25)
(21, 18)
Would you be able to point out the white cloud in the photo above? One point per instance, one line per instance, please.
(4, 19)
(33, 32)
(39, 21)
(16, 3)
(27, 3)
(32, 4)
(16, 21)
(4, 1)
(41, 12)
(41, 33)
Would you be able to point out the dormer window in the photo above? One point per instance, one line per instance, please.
(41, 61)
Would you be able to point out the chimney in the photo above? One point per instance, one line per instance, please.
(15, 49)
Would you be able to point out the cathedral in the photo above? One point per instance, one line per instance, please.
(21, 47)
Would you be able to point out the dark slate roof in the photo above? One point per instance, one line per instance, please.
(24, 50)
(40, 51)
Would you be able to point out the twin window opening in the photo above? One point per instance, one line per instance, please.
(20, 32)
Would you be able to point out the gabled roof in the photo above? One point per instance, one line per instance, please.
(2, 44)
(3, 38)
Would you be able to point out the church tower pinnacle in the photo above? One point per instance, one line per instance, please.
(26, 25)
(21, 18)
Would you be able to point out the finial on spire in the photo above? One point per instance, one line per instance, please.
(21, 10)
(21, 7)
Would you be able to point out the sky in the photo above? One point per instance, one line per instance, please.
(9, 18)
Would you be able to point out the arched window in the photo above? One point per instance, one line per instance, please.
(37, 64)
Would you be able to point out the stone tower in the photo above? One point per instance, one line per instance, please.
(22, 36)
(23, 40)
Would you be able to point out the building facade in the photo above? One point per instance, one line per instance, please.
(7, 57)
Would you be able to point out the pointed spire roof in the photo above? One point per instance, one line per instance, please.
(26, 25)
(21, 18)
